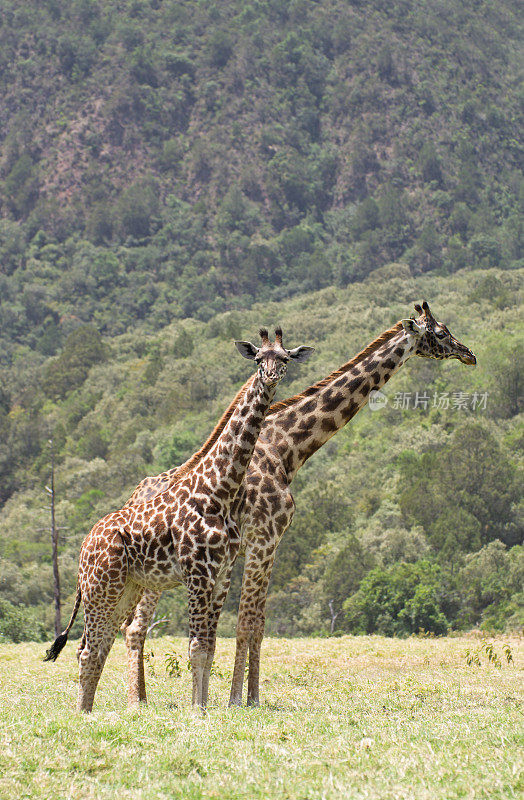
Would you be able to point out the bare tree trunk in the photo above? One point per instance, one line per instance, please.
(333, 615)
(54, 542)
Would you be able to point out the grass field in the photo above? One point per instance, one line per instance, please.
(350, 717)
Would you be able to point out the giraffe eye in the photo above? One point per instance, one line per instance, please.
(441, 334)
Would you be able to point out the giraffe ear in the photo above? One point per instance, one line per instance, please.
(412, 327)
(247, 350)
(301, 353)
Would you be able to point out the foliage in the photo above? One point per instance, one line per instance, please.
(473, 657)
(173, 175)
(450, 494)
(17, 625)
(423, 485)
(491, 583)
(162, 160)
(400, 600)
(82, 349)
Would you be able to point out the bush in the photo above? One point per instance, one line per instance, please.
(398, 601)
(429, 163)
(21, 186)
(136, 208)
(462, 494)
(176, 449)
(490, 582)
(344, 573)
(183, 345)
(18, 624)
(219, 49)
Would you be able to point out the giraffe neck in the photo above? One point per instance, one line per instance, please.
(224, 468)
(300, 426)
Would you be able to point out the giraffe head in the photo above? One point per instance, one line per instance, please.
(272, 357)
(434, 339)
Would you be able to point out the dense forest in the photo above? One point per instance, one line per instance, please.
(174, 174)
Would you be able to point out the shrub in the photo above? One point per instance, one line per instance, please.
(21, 185)
(19, 624)
(136, 208)
(398, 601)
(429, 163)
(219, 48)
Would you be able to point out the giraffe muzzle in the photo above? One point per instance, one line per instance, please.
(469, 358)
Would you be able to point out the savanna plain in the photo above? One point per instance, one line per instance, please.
(345, 717)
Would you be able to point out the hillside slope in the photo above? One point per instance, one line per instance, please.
(429, 485)
(173, 174)
(169, 159)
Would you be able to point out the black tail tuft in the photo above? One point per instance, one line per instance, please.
(56, 648)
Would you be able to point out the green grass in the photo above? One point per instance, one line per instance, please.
(350, 717)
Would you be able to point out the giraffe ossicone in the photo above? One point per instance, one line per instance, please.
(184, 534)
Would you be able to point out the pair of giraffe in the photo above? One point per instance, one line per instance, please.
(185, 534)
(261, 509)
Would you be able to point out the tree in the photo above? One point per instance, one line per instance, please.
(429, 163)
(21, 186)
(490, 582)
(136, 208)
(18, 624)
(54, 543)
(83, 348)
(398, 601)
(183, 346)
(344, 574)
(463, 494)
(507, 376)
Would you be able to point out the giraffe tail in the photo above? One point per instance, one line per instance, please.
(60, 641)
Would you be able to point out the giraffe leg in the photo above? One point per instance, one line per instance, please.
(91, 660)
(237, 683)
(220, 591)
(135, 631)
(102, 622)
(259, 621)
(255, 646)
(211, 644)
(108, 595)
(256, 574)
(199, 602)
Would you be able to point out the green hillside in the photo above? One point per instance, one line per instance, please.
(174, 174)
(179, 158)
(433, 487)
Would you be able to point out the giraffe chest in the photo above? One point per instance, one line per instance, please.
(165, 551)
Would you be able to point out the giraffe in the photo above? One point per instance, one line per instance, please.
(293, 431)
(185, 534)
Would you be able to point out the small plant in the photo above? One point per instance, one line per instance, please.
(217, 672)
(473, 657)
(508, 654)
(174, 664)
(149, 658)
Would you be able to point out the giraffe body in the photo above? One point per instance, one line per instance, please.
(292, 432)
(185, 534)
